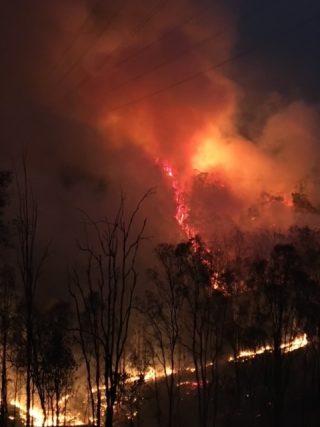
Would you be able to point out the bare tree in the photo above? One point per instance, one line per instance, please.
(6, 297)
(29, 267)
(105, 295)
(87, 306)
(7, 302)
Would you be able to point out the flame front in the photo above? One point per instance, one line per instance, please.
(152, 374)
(37, 417)
(296, 343)
(182, 209)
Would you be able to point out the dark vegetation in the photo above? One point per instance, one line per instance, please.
(93, 354)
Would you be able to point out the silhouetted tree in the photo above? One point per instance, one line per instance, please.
(6, 295)
(54, 363)
(105, 293)
(278, 279)
(307, 243)
(30, 263)
(204, 322)
(5, 181)
(7, 309)
(164, 311)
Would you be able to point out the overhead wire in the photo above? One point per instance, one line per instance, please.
(85, 52)
(138, 52)
(68, 48)
(169, 61)
(199, 73)
(167, 34)
(100, 35)
(133, 33)
(77, 35)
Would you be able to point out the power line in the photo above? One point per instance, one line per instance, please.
(169, 61)
(166, 62)
(77, 35)
(74, 40)
(194, 76)
(172, 30)
(133, 33)
(138, 52)
(84, 53)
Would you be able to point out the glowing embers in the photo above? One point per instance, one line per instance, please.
(299, 342)
(189, 384)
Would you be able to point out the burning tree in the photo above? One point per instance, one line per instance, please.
(103, 297)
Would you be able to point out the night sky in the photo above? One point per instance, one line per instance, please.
(97, 93)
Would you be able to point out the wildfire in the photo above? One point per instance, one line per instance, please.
(182, 209)
(153, 374)
(38, 419)
(149, 375)
(298, 342)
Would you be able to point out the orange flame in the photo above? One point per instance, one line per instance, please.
(298, 342)
(38, 418)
